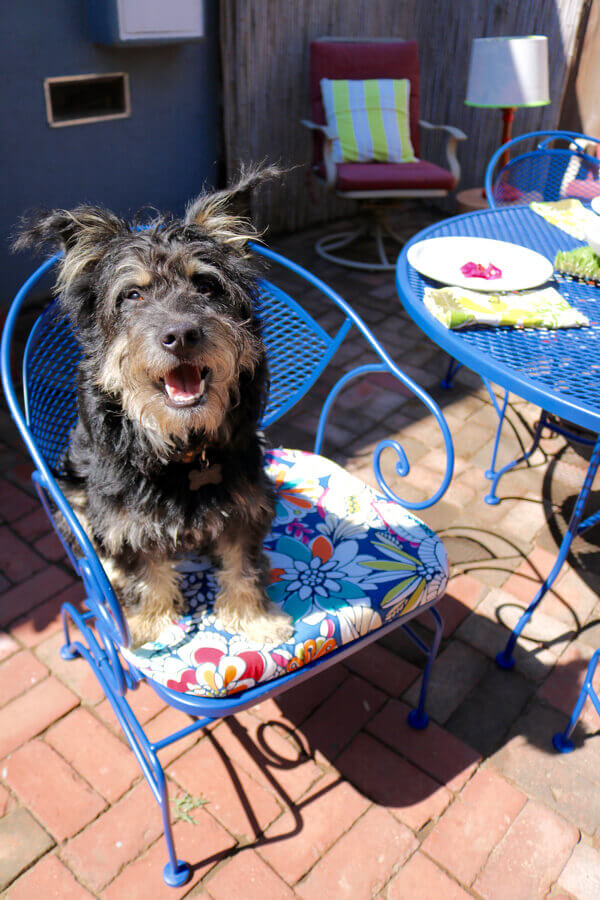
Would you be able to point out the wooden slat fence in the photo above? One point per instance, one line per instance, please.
(264, 49)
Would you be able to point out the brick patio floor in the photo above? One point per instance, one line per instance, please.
(326, 792)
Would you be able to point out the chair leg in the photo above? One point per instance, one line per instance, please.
(562, 740)
(176, 872)
(418, 718)
(505, 659)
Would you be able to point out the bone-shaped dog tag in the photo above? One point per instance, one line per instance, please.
(199, 477)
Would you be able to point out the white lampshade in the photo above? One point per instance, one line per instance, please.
(508, 71)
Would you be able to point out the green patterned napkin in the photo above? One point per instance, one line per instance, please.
(457, 307)
(568, 215)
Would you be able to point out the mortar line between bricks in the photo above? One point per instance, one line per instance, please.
(419, 849)
(109, 804)
(17, 584)
(63, 843)
(343, 834)
(416, 765)
(555, 883)
(55, 851)
(40, 734)
(27, 687)
(232, 834)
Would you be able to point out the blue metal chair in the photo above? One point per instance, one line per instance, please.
(404, 573)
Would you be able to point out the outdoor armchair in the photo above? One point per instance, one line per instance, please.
(378, 186)
(350, 563)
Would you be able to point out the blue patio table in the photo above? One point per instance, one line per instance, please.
(558, 370)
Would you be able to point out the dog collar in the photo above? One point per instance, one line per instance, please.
(204, 471)
(198, 456)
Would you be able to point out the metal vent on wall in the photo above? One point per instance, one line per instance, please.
(81, 99)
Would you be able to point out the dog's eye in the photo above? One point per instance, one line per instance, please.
(202, 284)
(133, 295)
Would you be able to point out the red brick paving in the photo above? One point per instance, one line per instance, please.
(105, 762)
(68, 806)
(581, 876)
(479, 817)
(75, 673)
(44, 621)
(238, 802)
(17, 559)
(383, 669)
(390, 781)
(423, 879)
(205, 843)
(14, 502)
(32, 592)
(325, 790)
(439, 753)
(529, 858)
(120, 834)
(18, 674)
(272, 753)
(247, 876)
(30, 714)
(7, 645)
(49, 879)
(380, 842)
(341, 716)
(22, 842)
(298, 839)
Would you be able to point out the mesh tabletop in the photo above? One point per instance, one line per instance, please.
(558, 369)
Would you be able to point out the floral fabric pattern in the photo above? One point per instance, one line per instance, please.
(344, 561)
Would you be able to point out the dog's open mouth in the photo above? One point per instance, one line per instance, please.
(186, 385)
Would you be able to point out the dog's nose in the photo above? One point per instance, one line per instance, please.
(181, 339)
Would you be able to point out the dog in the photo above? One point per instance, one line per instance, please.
(166, 456)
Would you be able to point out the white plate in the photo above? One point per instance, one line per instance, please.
(596, 205)
(441, 259)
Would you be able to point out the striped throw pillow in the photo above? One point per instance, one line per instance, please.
(370, 119)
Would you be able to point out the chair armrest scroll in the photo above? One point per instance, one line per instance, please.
(329, 136)
(454, 135)
(403, 465)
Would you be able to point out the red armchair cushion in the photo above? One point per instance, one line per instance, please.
(416, 176)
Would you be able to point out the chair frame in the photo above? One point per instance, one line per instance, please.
(369, 199)
(99, 645)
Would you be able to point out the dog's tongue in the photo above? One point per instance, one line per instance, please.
(184, 383)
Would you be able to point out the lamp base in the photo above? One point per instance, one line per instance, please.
(471, 200)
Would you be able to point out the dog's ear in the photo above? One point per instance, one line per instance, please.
(66, 228)
(224, 214)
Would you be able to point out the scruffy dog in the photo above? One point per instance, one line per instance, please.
(166, 457)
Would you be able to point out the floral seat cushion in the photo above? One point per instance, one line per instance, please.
(344, 561)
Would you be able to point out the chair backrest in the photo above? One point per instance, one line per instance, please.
(298, 350)
(544, 166)
(361, 59)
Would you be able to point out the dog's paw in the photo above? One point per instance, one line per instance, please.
(263, 622)
(144, 629)
(274, 627)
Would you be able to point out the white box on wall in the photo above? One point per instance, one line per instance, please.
(145, 22)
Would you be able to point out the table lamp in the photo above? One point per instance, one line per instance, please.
(507, 72)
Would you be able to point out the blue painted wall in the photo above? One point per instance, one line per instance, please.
(161, 156)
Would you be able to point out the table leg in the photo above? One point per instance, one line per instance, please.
(505, 658)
